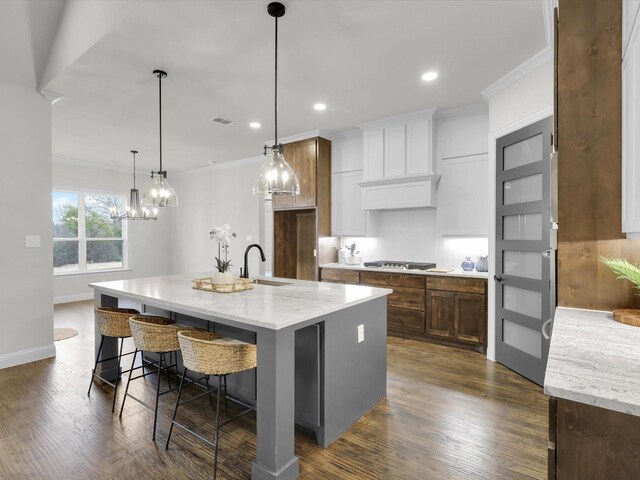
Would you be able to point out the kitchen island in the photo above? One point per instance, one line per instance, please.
(593, 379)
(351, 324)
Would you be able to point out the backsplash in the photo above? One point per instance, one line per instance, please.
(412, 235)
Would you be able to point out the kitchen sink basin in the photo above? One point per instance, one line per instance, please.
(271, 283)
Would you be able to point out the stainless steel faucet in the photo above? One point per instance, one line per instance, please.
(244, 272)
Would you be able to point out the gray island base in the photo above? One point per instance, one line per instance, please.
(309, 352)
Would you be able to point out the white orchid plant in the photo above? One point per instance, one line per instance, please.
(223, 236)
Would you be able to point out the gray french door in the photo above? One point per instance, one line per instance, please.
(524, 258)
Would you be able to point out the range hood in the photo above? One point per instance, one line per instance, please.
(398, 161)
(407, 191)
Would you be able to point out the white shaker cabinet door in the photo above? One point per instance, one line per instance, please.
(419, 147)
(373, 153)
(347, 215)
(395, 151)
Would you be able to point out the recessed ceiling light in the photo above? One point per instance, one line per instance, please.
(255, 125)
(320, 107)
(429, 76)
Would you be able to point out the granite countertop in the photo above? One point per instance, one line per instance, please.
(594, 360)
(454, 273)
(266, 306)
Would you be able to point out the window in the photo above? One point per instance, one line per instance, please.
(85, 238)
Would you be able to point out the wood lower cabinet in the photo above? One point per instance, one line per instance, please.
(450, 309)
(592, 443)
(440, 314)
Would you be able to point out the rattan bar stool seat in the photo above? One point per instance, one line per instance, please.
(159, 335)
(208, 354)
(112, 323)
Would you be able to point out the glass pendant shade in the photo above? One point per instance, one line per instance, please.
(276, 176)
(159, 193)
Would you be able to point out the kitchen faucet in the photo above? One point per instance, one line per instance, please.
(244, 272)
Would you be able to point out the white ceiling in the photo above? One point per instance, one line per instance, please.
(362, 58)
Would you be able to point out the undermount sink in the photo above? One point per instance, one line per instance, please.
(271, 283)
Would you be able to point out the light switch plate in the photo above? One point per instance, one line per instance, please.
(32, 241)
(360, 333)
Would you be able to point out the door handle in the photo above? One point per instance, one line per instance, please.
(497, 278)
(544, 329)
(546, 254)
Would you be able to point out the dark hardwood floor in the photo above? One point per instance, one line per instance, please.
(449, 414)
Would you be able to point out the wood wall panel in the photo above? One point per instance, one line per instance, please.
(590, 165)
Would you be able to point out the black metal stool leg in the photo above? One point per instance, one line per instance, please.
(175, 410)
(206, 380)
(126, 390)
(226, 402)
(155, 415)
(115, 389)
(215, 460)
(95, 366)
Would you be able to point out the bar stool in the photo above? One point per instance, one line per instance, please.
(208, 354)
(158, 335)
(112, 323)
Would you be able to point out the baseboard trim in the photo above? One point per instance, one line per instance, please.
(27, 356)
(79, 297)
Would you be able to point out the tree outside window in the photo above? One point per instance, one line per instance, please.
(85, 237)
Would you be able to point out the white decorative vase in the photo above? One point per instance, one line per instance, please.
(353, 260)
(222, 278)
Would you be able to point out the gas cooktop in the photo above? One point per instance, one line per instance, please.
(400, 265)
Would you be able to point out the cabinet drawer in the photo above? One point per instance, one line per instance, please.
(403, 320)
(411, 298)
(455, 284)
(340, 276)
(392, 280)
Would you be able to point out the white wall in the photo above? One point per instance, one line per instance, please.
(522, 102)
(458, 227)
(212, 197)
(25, 205)
(149, 241)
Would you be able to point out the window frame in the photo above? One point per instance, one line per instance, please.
(82, 238)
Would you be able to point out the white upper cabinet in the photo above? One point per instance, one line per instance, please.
(629, 14)
(631, 123)
(398, 162)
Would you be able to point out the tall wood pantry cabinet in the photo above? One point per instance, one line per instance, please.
(300, 220)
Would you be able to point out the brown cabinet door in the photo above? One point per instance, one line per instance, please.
(304, 157)
(440, 313)
(470, 317)
(301, 156)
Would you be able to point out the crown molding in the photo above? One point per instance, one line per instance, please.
(463, 111)
(85, 164)
(399, 119)
(219, 166)
(303, 136)
(543, 56)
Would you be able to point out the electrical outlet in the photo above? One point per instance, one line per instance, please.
(32, 241)
(360, 333)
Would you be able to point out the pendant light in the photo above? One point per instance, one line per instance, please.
(276, 176)
(159, 193)
(134, 210)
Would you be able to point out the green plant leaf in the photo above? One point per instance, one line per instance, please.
(624, 269)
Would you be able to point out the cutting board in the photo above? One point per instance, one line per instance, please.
(627, 316)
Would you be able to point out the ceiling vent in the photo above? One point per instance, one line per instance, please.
(221, 121)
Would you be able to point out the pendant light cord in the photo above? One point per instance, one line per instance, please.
(276, 86)
(134, 170)
(161, 172)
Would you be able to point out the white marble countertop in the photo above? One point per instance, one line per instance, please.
(272, 307)
(454, 273)
(594, 360)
